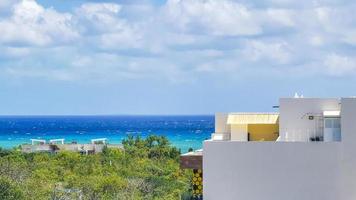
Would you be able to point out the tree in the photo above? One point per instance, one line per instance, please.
(4, 152)
(9, 191)
(147, 168)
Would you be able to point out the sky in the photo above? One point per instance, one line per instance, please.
(162, 57)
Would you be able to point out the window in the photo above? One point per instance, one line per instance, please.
(336, 123)
(328, 123)
(332, 129)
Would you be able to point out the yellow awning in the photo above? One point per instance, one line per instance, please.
(253, 118)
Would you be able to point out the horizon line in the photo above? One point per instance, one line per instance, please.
(99, 115)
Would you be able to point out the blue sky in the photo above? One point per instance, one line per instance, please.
(172, 57)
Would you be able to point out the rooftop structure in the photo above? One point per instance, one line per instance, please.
(192, 160)
(305, 151)
(37, 141)
(56, 141)
(56, 145)
(246, 126)
(99, 141)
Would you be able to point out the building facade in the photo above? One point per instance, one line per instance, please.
(307, 151)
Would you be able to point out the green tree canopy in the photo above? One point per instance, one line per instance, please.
(9, 191)
(146, 168)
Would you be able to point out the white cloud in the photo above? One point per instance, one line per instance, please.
(100, 10)
(285, 17)
(101, 17)
(227, 17)
(336, 23)
(350, 36)
(31, 24)
(125, 39)
(338, 65)
(110, 31)
(316, 40)
(6, 4)
(177, 41)
(214, 17)
(273, 52)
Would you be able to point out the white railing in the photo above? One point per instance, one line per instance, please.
(307, 135)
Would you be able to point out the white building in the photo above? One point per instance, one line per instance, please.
(307, 151)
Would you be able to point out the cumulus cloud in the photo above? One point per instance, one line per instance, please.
(178, 40)
(101, 17)
(6, 4)
(109, 30)
(214, 17)
(31, 24)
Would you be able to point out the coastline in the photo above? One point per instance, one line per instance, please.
(183, 132)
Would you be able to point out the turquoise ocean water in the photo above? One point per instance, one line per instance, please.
(183, 131)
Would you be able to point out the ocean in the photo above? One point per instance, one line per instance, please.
(184, 132)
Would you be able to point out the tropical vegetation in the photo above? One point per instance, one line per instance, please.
(144, 169)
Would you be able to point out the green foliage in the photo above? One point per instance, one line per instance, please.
(4, 152)
(154, 147)
(143, 169)
(9, 191)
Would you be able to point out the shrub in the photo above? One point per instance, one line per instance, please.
(9, 191)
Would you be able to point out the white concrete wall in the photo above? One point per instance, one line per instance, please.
(239, 132)
(348, 140)
(272, 171)
(286, 170)
(221, 125)
(222, 129)
(294, 124)
(348, 122)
